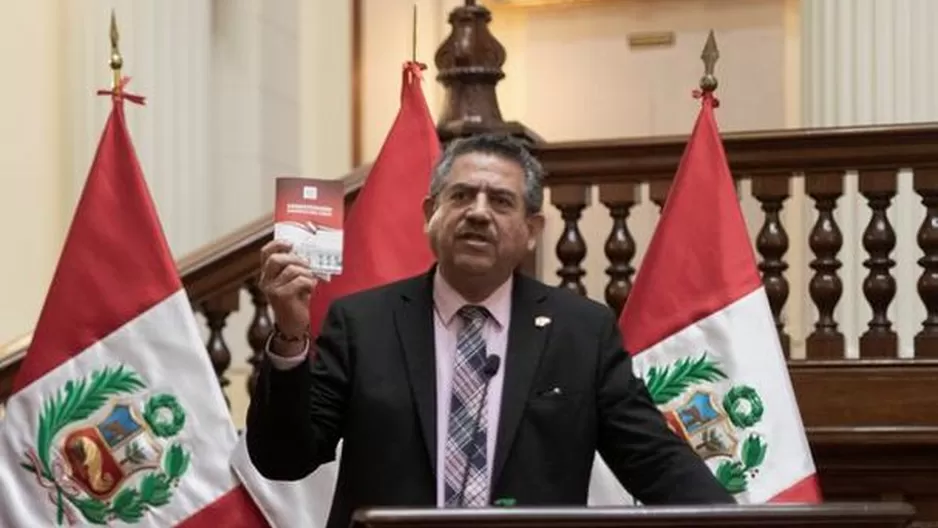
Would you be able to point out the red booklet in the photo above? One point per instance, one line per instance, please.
(309, 214)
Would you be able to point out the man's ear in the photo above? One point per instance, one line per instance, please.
(535, 228)
(429, 209)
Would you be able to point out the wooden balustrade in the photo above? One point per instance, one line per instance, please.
(216, 275)
(770, 161)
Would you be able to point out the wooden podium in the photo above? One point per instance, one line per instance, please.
(831, 515)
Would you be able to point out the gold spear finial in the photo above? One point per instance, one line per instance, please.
(116, 62)
(708, 82)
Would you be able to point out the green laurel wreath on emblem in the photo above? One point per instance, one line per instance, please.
(161, 426)
(77, 401)
(742, 405)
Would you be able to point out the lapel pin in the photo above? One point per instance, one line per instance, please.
(541, 321)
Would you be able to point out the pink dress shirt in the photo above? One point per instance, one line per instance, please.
(446, 302)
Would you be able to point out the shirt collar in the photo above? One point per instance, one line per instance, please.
(448, 301)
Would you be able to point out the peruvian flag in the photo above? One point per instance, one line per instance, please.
(701, 332)
(385, 241)
(116, 415)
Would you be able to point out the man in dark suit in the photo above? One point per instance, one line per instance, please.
(468, 384)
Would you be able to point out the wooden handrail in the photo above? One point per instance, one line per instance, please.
(227, 262)
(749, 153)
(10, 349)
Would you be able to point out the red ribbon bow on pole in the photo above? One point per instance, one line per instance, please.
(120, 94)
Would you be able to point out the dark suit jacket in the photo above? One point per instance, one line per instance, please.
(372, 384)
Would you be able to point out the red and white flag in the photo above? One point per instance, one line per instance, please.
(699, 325)
(116, 415)
(385, 241)
(701, 332)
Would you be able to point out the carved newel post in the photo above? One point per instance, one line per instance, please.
(469, 63)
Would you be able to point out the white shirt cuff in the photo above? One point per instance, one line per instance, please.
(281, 362)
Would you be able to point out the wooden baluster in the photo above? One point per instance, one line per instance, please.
(879, 286)
(926, 185)
(258, 332)
(772, 244)
(825, 240)
(619, 198)
(216, 310)
(658, 192)
(571, 248)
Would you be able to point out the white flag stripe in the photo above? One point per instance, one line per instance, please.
(303, 503)
(30, 506)
(604, 487)
(743, 340)
(158, 345)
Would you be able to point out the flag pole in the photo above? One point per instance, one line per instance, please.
(709, 56)
(413, 36)
(116, 62)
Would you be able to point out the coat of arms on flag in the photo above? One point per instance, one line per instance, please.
(105, 450)
(711, 420)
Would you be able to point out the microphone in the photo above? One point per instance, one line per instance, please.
(489, 370)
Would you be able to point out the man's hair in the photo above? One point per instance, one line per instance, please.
(503, 146)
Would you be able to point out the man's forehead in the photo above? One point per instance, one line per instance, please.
(486, 170)
(487, 161)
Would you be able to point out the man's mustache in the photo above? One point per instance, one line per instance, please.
(484, 234)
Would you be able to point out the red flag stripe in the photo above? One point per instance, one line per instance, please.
(235, 509)
(806, 490)
(384, 231)
(709, 262)
(126, 265)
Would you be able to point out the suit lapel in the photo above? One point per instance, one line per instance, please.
(526, 343)
(414, 319)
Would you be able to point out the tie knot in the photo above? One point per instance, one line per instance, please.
(473, 314)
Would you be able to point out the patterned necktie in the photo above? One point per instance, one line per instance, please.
(462, 446)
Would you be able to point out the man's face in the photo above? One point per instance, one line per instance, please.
(479, 224)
